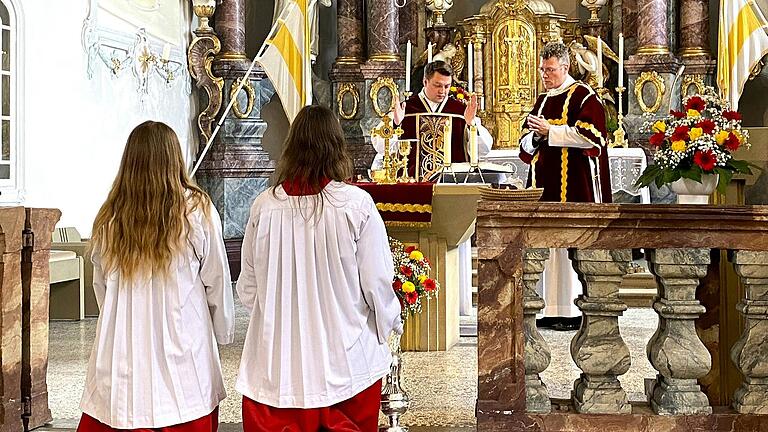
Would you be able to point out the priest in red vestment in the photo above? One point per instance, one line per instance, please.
(564, 141)
(434, 98)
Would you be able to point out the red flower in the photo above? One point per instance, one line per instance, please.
(696, 103)
(732, 142)
(397, 285)
(412, 297)
(680, 133)
(410, 249)
(426, 260)
(705, 159)
(677, 114)
(429, 285)
(406, 271)
(731, 115)
(706, 125)
(657, 139)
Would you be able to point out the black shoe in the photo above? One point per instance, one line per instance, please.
(567, 324)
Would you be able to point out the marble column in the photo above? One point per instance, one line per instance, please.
(36, 293)
(694, 28)
(350, 29)
(750, 352)
(230, 26)
(383, 33)
(598, 348)
(652, 34)
(11, 227)
(537, 353)
(675, 350)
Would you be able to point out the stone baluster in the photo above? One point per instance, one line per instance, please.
(598, 348)
(750, 352)
(537, 354)
(676, 350)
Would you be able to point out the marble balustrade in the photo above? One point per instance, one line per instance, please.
(513, 243)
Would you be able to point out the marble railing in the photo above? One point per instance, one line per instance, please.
(680, 242)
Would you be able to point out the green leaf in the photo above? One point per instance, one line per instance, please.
(724, 180)
(693, 174)
(648, 176)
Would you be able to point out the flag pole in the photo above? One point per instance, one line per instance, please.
(307, 97)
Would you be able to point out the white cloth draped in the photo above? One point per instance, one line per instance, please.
(319, 290)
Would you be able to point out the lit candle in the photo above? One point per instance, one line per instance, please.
(599, 62)
(621, 59)
(447, 142)
(166, 52)
(408, 66)
(429, 52)
(470, 67)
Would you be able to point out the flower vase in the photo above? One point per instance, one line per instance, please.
(394, 399)
(692, 192)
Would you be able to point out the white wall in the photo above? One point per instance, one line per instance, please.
(75, 128)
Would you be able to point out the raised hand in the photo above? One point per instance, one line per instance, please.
(398, 114)
(471, 110)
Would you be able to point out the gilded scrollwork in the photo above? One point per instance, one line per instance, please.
(376, 87)
(251, 98)
(657, 81)
(696, 80)
(200, 56)
(344, 90)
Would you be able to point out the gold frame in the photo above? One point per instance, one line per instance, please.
(689, 80)
(345, 88)
(654, 78)
(251, 94)
(376, 87)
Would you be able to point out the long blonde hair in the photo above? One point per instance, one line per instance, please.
(140, 227)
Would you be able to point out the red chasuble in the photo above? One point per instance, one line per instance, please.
(565, 173)
(414, 105)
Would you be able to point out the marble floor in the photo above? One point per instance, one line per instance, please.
(442, 385)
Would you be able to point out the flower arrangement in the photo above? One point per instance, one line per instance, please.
(699, 140)
(459, 93)
(411, 282)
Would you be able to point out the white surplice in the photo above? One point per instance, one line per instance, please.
(154, 360)
(319, 290)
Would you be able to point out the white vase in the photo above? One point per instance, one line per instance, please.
(692, 192)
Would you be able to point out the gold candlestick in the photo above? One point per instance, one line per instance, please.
(387, 131)
(619, 136)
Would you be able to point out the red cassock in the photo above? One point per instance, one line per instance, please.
(414, 105)
(209, 423)
(358, 414)
(566, 173)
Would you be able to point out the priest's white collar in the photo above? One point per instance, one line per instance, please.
(433, 107)
(569, 81)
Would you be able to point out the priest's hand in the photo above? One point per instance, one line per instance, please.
(398, 114)
(538, 124)
(471, 110)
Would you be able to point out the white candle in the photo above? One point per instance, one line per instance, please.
(447, 142)
(429, 52)
(166, 51)
(470, 68)
(408, 66)
(621, 59)
(599, 62)
(473, 152)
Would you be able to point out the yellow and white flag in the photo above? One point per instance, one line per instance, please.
(285, 57)
(742, 43)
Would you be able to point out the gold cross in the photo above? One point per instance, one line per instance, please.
(387, 131)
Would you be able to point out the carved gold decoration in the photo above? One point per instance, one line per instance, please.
(654, 78)
(406, 208)
(391, 164)
(200, 57)
(376, 87)
(432, 139)
(594, 7)
(204, 10)
(412, 225)
(692, 80)
(251, 97)
(344, 89)
(653, 50)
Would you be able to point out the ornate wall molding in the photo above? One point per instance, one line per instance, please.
(654, 78)
(376, 87)
(250, 95)
(344, 89)
(692, 80)
(201, 53)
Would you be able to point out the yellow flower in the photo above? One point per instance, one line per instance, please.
(409, 287)
(695, 133)
(422, 278)
(693, 113)
(659, 126)
(416, 256)
(721, 136)
(739, 136)
(460, 96)
(679, 146)
(453, 88)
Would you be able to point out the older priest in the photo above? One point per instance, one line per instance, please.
(434, 98)
(564, 142)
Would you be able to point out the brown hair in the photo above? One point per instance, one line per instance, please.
(140, 227)
(314, 150)
(438, 66)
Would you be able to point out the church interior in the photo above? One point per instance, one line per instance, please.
(673, 314)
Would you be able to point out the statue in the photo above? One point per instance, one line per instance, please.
(313, 20)
(584, 67)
